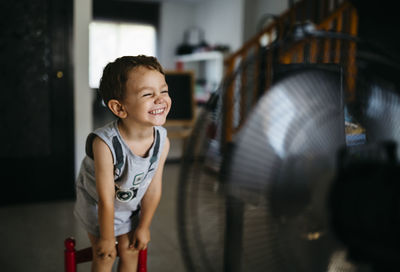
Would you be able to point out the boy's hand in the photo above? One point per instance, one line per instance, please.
(106, 248)
(141, 238)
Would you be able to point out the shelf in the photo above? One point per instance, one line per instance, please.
(201, 56)
(208, 70)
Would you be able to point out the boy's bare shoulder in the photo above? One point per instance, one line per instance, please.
(100, 147)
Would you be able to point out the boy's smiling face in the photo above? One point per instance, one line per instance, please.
(146, 100)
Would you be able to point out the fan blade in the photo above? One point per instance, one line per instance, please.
(284, 158)
(379, 106)
(298, 121)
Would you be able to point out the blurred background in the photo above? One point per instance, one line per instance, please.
(51, 58)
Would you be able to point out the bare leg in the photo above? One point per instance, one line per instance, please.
(100, 264)
(128, 257)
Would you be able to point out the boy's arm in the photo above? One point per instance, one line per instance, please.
(149, 203)
(103, 163)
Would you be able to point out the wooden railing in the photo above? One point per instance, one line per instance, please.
(327, 15)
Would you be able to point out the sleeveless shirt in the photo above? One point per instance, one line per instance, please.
(132, 176)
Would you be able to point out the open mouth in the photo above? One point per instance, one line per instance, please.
(157, 111)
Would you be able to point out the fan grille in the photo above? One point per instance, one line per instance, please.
(276, 175)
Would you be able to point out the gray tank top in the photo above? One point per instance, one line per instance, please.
(132, 176)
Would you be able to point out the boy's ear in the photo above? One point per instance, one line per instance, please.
(117, 108)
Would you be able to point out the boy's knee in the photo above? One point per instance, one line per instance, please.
(128, 254)
(104, 260)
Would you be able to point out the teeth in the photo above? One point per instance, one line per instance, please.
(157, 111)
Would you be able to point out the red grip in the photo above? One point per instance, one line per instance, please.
(69, 255)
(142, 262)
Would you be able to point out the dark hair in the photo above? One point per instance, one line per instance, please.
(115, 75)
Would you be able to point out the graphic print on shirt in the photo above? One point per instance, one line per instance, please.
(138, 179)
(125, 195)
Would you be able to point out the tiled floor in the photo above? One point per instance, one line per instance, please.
(32, 235)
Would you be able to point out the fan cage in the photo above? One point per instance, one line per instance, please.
(203, 200)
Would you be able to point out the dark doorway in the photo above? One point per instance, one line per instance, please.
(36, 114)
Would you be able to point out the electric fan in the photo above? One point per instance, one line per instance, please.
(307, 184)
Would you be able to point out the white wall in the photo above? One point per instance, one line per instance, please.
(82, 93)
(229, 22)
(175, 18)
(222, 21)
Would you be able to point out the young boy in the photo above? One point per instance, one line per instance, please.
(121, 173)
